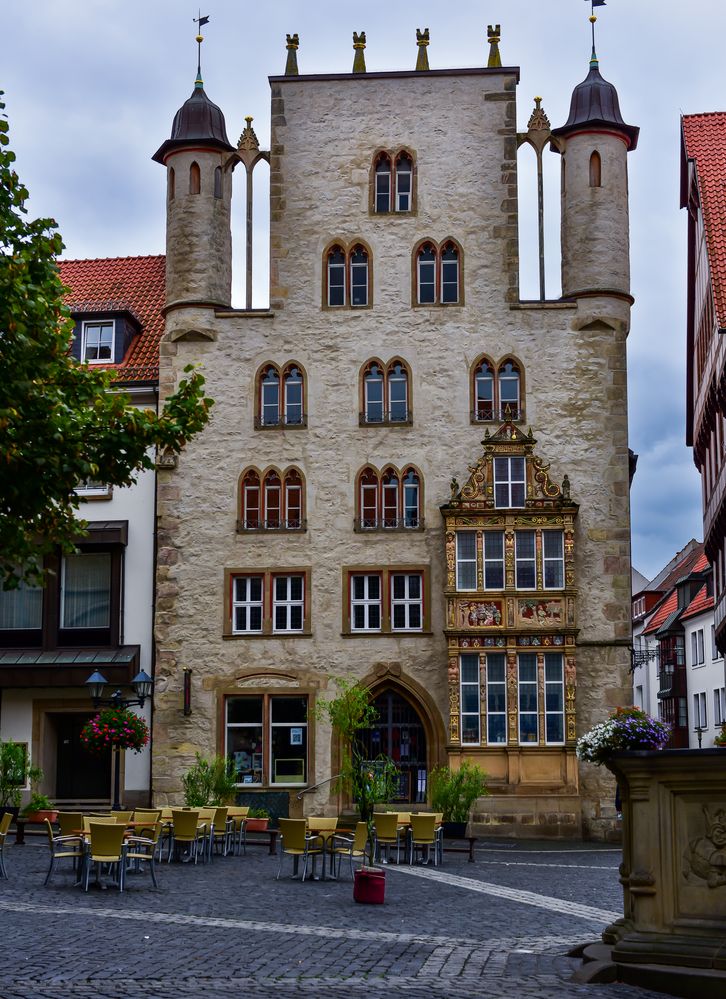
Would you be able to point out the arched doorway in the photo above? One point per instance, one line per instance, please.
(399, 734)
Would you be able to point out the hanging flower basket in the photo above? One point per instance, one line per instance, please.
(626, 728)
(115, 727)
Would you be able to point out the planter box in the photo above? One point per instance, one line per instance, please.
(45, 813)
(455, 830)
(256, 825)
(369, 885)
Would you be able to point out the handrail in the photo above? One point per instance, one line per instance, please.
(305, 790)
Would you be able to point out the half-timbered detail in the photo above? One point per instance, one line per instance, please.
(511, 623)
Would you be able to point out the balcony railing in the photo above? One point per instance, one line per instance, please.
(285, 421)
(500, 414)
(388, 524)
(401, 418)
(272, 526)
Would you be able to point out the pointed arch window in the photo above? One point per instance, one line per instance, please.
(336, 277)
(595, 170)
(397, 393)
(358, 276)
(251, 498)
(368, 498)
(449, 274)
(195, 178)
(438, 273)
(373, 394)
(383, 184)
(218, 182)
(272, 496)
(281, 396)
(426, 274)
(171, 183)
(404, 182)
(497, 391)
(273, 502)
(411, 499)
(348, 277)
(390, 500)
(293, 500)
(392, 183)
(385, 393)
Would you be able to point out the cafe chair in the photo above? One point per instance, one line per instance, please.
(101, 820)
(106, 846)
(222, 830)
(237, 815)
(62, 848)
(296, 842)
(5, 821)
(353, 847)
(70, 823)
(142, 849)
(186, 830)
(122, 816)
(423, 837)
(387, 833)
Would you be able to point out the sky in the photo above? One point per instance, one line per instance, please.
(91, 87)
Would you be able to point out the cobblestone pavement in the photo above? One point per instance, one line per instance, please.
(498, 928)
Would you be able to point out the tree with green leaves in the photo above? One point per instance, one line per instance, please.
(59, 422)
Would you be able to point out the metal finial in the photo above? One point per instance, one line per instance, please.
(593, 19)
(494, 34)
(293, 43)
(359, 59)
(200, 22)
(422, 40)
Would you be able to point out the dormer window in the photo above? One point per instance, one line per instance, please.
(97, 345)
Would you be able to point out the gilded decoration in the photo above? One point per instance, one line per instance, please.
(479, 613)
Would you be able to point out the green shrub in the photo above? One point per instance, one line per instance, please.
(453, 792)
(209, 782)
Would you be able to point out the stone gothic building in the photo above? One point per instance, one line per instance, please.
(411, 476)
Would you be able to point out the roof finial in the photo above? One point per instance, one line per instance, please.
(494, 33)
(359, 59)
(422, 40)
(293, 43)
(593, 20)
(200, 22)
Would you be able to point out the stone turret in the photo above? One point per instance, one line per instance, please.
(594, 143)
(199, 193)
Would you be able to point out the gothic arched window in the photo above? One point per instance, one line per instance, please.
(195, 178)
(358, 276)
(595, 170)
(509, 390)
(484, 391)
(382, 193)
(336, 276)
(404, 183)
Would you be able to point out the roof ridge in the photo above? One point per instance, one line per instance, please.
(99, 260)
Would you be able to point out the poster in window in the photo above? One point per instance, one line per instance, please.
(296, 737)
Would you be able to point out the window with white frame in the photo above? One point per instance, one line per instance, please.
(411, 504)
(715, 654)
(383, 184)
(525, 560)
(494, 560)
(528, 719)
(247, 604)
(267, 739)
(639, 697)
(466, 560)
(496, 698)
(293, 403)
(404, 186)
(373, 394)
(397, 394)
(554, 694)
(700, 718)
(97, 342)
(509, 482)
(470, 698)
(426, 274)
(553, 558)
(719, 706)
(358, 276)
(406, 601)
(336, 277)
(365, 602)
(270, 398)
(288, 603)
(697, 650)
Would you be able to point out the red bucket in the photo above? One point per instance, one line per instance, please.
(369, 885)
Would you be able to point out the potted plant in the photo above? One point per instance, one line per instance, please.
(209, 782)
(257, 820)
(15, 774)
(39, 808)
(626, 729)
(720, 739)
(453, 792)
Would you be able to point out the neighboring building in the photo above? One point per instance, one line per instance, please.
(313, 529)
(96, 612)
(703, 193)
(706, 679)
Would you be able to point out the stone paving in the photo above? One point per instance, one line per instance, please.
(498, 928)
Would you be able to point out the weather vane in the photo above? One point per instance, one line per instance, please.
(200, 22)
(593, 19)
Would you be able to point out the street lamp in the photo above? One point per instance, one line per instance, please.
(142, 685)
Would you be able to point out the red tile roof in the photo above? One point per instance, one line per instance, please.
(132, 284)
(700, 603)
(704, 139)
(667, 607)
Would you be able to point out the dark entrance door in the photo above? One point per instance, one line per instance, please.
(80, 775)
(399, 734)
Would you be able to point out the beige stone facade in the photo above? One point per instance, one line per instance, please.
(460, 129)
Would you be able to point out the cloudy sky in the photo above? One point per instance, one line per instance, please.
(91, 87)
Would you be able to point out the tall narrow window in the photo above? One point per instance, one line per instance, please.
(86, 591)
(554, 559)
(358, 276)
(218, 182)
(426, 274)
(270, 398)
(470, 707)
(509, 390)
(336, 277)
(449, 274)
(528, 697)
(171, 184)
(404, 175)
(195, 179)
(411, 499)
(389, 496)
(466, 560)
(509, 482)
(406, 601)
(496, 698)
(368, 498)
(288, 603)
(365, 602)
(397, 394)
(247, 604)
(494, 560)
(273, 501)
(595, 170)
(251, 501)
(22, 608)
(484, 392)
(554, 698)
(293, 500)
(373, 394)
(383, 184)
(525, 560)
(293, 383)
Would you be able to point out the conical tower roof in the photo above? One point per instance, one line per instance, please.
(198, 122)
(595, 105)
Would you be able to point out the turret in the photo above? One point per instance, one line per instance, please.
(594, 143)
(199, 193)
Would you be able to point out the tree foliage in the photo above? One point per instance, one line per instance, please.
(60, 421)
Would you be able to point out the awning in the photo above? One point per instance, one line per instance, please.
(66, 667)
(105, 532)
